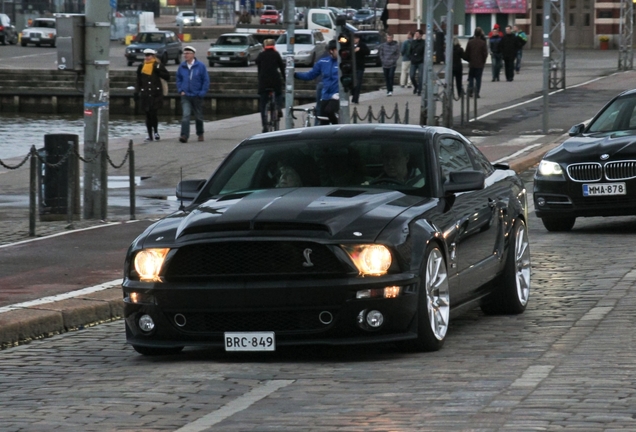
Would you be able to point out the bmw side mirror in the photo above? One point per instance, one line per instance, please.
(576, 129)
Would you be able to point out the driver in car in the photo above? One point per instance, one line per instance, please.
(396, 170)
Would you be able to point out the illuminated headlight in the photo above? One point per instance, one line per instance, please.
(198, 20)
(370, 259)
(139, 298)
(148, 263)
(386, 292)
(547, 168)
(374, 52)
(186, 20)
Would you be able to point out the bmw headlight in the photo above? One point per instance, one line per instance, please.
(374, 52)
(371, 259)
(148, 263)
(547, 168)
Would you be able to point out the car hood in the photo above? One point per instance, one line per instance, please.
(226, 48)
(335, 214)
(617, 145)
(297, 48)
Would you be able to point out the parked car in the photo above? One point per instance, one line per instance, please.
(270, 17)
(188, 18)
(373, 39)
(310, 46)
(350, 13)
(593, 173)
(365, 17)
(166, 43)
(41, 32)
(331, 235)
(234, 49)
(8, 33)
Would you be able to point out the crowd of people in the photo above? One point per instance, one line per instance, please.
(505, 49)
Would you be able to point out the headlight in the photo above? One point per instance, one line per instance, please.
(241, 54)
(374, 52)
(303, 53)
(148, 263)
(547, 168)
(370, 259)
(186, 20)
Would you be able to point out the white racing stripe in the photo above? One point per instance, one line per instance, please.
(239, 404)
(68, 295)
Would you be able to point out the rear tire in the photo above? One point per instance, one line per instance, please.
(554, 224)
(211, 63)
(164, 58)
(23, 44)
(433, 311)
(512, 288)
(130, 63)
(150, 351)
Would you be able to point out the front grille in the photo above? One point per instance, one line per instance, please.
(209, 322)
(245, 259)
(622, 170)
(585, 171)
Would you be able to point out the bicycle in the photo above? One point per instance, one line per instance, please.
(271, 112)
(310, 115)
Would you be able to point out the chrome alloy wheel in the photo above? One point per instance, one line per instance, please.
(437, 294)
(522, 265)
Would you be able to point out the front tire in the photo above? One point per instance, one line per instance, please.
(178, 59)
(150, 351)
(512, 289)
(558, 224)
(211, 63)
(433, 311)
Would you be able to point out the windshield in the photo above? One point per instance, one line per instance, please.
(370, 38)
(232, 40)
(619, 115)
(366, 163)
(44, 24)
(151, 38)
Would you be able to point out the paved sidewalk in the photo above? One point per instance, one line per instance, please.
(160, 165)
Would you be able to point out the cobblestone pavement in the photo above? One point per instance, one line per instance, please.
(565, 364)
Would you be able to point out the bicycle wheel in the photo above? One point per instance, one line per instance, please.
(272, 116)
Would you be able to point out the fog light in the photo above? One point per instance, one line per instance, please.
(541, 201)
(375, 318)
(392, 291)
(146, 323)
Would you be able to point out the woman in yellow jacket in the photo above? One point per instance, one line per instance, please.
(150, 90)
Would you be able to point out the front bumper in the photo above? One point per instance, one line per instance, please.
(38, 39)
(298, 312)
(227, 58)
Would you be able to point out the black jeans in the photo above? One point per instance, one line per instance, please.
(389, 77)
(474, 74)
(329, 108)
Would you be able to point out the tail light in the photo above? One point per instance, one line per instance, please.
(1, 28)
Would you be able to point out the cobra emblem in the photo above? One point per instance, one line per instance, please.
(306, 253)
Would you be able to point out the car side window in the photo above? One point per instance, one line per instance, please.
(482, 162)
(319, 37)
(321, 20)
(453, 156)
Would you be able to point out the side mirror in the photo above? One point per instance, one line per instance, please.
(502, 166)
(464, 181)
(576, 129)
(188, 190)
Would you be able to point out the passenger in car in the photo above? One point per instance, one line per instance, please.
(395, 163)
(297, 170)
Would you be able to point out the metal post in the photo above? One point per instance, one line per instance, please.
(428, 96)
(32, 189)
(96, 95)
(70, 195)
(289, 61)
(546, 64)
(345, 117)
(131, 179)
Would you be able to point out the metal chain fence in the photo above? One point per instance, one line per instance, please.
(382, 116)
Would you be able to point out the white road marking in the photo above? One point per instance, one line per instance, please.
(522, 151)
(237, 405)
(68, 295)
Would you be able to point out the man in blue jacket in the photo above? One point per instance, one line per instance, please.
(193, 83)
(327, 67)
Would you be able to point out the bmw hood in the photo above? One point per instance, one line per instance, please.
(616, 145)
(335, 214)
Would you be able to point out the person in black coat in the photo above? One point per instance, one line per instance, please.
(509, 45)
(458, 69)
(149, 91)
(361, 53)
(269, 63)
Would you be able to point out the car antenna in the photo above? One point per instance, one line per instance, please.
(181, 207)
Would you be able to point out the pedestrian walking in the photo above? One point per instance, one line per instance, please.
(417, 62)
(405, 50)
(494, 44)
(523, 39)
(389, 53)
(327, 67)
(193, 83)
(476, 55)
(149, 90)
(510, 45)
(458, 68)
(361, 53)
(269, 63)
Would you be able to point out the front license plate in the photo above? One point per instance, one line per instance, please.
(224, 58)
(253, 341)
(604, 189)
(35, 39)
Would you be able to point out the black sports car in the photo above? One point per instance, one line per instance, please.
(594, 172)
(332, 235)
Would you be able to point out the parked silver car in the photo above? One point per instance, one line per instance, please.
(41, 32)
(234, 49)
(309, 47)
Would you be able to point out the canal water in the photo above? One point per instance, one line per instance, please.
(20, 131)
